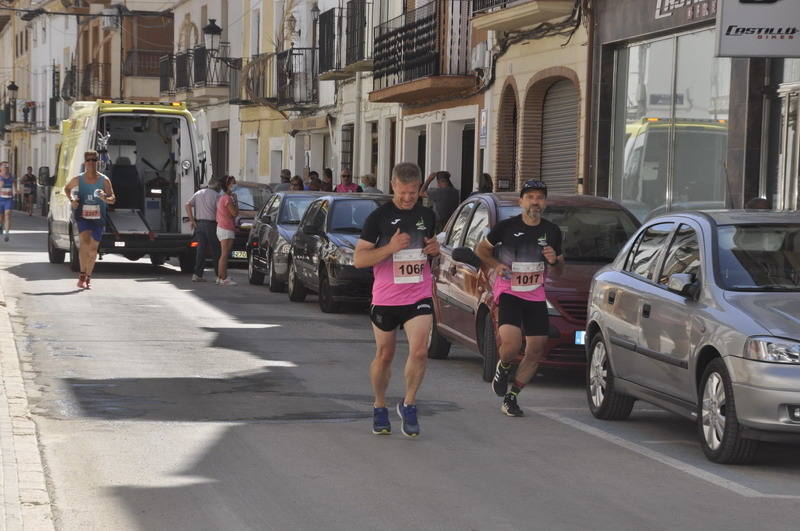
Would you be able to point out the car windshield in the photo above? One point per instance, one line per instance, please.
(251, 197)
(590, 234)
(759, 257)
(293, 209)
(349, 215)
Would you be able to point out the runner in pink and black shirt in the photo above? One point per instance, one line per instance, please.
(397, 241)
(522, 250)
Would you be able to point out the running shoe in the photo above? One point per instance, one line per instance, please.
(408, 416)
(226, 282)
(87, 282)
(510, 406)
(82, 281)
(380, 421)
(196, 278)
(500, 381)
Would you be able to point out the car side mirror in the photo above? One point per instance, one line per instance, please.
(684, 284)
(467, 256)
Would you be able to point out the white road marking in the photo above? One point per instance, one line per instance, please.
(692, 470)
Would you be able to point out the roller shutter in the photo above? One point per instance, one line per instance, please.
(560, 117)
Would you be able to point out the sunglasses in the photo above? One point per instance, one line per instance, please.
(91, 160)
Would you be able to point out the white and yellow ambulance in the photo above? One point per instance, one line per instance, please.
(156, 156)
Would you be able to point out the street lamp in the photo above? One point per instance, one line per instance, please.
(315, 13)
(212, 32)
(12, 101)
(291, 24)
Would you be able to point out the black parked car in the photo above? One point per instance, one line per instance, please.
(322, 251)
(269, 241)
(251, 197)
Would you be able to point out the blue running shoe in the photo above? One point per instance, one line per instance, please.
(380, 421)
(408, 416)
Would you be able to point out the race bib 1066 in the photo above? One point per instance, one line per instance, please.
(408, 266)
(526, 276)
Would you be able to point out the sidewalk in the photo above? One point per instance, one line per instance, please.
(24, 500)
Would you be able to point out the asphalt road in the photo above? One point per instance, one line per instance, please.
(163, 404)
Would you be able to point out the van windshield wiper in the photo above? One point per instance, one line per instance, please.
(766, 287)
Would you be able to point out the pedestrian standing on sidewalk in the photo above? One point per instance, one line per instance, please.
(347, 184)
(202, 212)
(370, 184)
(444, 198)
(7, 191)
(521, 251)
(397, 241)
(28, 182)
(90, 193)
(327, 180)
(227, 210)
(286, 175)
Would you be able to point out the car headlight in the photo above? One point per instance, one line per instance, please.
(344, 256)
(772, 349)
(282, 246)
(551, 310)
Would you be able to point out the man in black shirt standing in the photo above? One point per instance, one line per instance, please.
(521, 251)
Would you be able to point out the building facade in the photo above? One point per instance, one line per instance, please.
(675, 127)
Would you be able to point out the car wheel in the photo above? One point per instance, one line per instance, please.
(489, 349)
(326, 302)
(604, 402)
(275, 285)
(254, 276)
(438, 346)
(717, 424)
(157, 259)
(55, 255)
(186, 261)
(297, 292)
(74, 257)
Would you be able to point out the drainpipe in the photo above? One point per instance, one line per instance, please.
(357, 140)
(588, 134)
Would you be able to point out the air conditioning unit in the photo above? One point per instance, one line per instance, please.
(110, 19)
(480, 56)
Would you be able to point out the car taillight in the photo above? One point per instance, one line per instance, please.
(194, 244)
(254, 244)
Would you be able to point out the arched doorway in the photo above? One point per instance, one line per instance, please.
(560, 123)
(507, 121)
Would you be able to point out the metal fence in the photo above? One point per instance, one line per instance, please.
(166, 74)
(183, 70)
(235, 80)
(210, 66)
(297, 76)
(431, 40)
(96, 81)
(142, 63)
(259, 78)
(482, 6)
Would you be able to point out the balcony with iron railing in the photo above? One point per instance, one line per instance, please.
(296, 77)
(95, 81)
(358, 36)
(511, 15)
(211, 75)
(183, 71)
(423, 54)
(142, 63)
(235, 81)
(259, 77)
(166, 75)
(331, 45)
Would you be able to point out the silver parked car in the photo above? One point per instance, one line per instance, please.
(700, 314)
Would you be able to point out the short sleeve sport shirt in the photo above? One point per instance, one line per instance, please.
(405, 277)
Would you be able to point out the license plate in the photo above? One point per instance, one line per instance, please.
(119, 244)
(580, 337)
(239, 254)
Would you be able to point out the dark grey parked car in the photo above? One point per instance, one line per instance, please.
(273, 229)
(700, 314)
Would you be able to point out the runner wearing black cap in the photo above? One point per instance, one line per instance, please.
(522, 250)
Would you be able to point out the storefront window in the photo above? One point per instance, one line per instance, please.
(791, 71)
(670, 125)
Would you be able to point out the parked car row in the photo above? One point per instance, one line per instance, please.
(303, 242)
(695, 312)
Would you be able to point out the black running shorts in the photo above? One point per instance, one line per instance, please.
(530, 316)
(388, 318)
